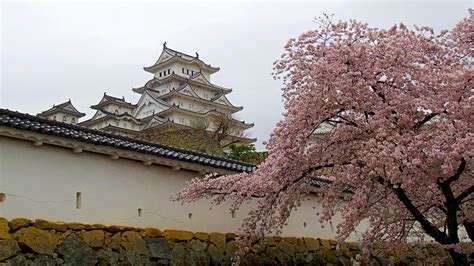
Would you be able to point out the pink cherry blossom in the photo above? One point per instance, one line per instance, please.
(399, 106)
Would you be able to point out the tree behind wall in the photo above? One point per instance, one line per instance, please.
(402, 144)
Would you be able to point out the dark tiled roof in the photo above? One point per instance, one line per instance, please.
(54, 128)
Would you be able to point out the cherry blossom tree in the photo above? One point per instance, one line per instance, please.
(399, 106)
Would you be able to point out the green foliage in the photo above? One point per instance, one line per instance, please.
(192, 139)
(246, 153)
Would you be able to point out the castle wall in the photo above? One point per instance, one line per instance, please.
(43, 182)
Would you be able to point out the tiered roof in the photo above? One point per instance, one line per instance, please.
(107, 99)
(107, 115)
(175, 108)
(187, 91)
(197, 79)
(169, 56)
(66, 107)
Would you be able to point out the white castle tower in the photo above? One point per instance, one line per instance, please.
(180, 95)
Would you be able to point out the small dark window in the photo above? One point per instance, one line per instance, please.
(78, 200)
(160, 74)
(169, 71)
(183, 70)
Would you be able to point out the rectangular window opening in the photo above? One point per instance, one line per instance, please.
(139, 212)
(78, 200)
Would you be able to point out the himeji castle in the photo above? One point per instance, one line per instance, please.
(180, 95)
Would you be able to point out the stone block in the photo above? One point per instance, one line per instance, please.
(19, 223)
(218, 240)
(230, 248)
(158, 247)
(179, 255)
(287, 248)
(178, 235)
(311, 244)
(271, 241)
(291, 240)
(300, 246)
(94, 238)
(325, 243)
(197, 245)
(47, 225)
(201, 236)
(4, 229)
(107, 257)
(8, 249)
(115, 229)
(76, 252)
(114, 241)
(132, 241)
(216, 255)
(95, 227)
(76, 226)
(153, 232)
(230, 236)
(37, 240)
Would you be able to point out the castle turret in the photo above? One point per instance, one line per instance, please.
(64, 112)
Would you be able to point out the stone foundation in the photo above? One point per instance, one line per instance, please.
(24, 242)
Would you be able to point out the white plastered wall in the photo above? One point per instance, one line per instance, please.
(41, 182)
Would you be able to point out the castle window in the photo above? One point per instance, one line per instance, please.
(54, 118)
(73, 120)
(64, 118)
(78, 200)
(169, 71)
(116, 112)
(160, 74)
(183, 70)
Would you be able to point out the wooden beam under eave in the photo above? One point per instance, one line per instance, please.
(77, 150)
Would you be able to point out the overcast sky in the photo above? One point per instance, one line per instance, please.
(51, 52)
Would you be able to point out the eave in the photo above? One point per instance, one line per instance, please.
(233, 109)
(184, 80)
(152, 69)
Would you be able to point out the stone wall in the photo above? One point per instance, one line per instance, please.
(40, 242)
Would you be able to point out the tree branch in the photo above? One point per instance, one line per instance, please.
(424, 121)
(429, 228)
(464, 195)
(458, 173)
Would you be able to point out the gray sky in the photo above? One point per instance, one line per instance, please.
(54, 51)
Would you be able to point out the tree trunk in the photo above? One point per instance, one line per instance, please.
(458, 258)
